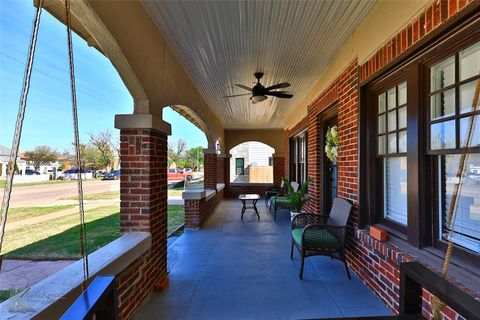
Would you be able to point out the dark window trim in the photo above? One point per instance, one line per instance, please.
(452, 34)
(242, 167)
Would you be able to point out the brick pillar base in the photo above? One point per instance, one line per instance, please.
(143, 207)
(210, 169)
(278, 169)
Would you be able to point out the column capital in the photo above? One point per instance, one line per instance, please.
(142, 121)
(223, 155)
(209, 151)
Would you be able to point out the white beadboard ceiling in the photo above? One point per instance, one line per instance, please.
(221, 43)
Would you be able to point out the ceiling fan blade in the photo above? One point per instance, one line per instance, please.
(243, 87)
(237, 95)
(278, 86)
(279, 94)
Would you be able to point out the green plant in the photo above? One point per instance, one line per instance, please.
(297, 198)
(331, 144)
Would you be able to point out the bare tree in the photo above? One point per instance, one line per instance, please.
(104, 143)
(176, 152)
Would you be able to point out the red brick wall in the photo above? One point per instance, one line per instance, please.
(197, 211)
(235, 190)
(378, 263)
(278, 169)
(210, 170)
(433, 16)
(221, 169)
(143, 207)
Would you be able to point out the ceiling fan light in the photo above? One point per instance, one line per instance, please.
(259, 98)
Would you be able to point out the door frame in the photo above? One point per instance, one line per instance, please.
(325, 117)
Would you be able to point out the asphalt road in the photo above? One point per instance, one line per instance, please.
(47, 194)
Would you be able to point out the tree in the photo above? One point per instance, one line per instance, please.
(41, 155)
(176, 152)
(194, 158)
(104, 143)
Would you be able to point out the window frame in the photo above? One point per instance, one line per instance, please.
(241, 167)
(378, 160)
(433, 155)
(296, 152)
(423, 211)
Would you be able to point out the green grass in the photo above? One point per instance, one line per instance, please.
(107, 195)
(5, 294)
(21, 213)
(59, 238)
(176, 216)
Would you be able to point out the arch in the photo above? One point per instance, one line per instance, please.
(251, 162)
(147, 65)
(271, 137)
(194, 118)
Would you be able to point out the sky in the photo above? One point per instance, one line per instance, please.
(48, 120)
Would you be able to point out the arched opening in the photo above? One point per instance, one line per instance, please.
(251, 162)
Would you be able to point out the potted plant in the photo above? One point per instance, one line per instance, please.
(298, 198)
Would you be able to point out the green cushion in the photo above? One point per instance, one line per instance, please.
(281, 202)
(319, 239)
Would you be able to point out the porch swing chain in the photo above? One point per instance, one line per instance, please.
(437, 304)
(19, 123)
(18, 133)
(83, 236)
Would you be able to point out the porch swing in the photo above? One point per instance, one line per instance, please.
(101, 291)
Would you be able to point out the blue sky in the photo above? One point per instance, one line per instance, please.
(100, 92)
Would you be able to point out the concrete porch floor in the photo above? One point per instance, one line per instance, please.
(233, 269)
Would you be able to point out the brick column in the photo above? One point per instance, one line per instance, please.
(210, 169)
(223, 160)
(278, 168)
(143, 204)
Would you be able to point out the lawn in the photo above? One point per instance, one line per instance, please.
(107, 195)
(17, 214)
(59, 238)
(176, 216)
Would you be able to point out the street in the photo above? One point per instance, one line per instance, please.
(49, 194)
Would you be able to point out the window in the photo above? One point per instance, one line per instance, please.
(391, 151)
(239, 166)
(453, 81)
(298, 145)
(429, 100)
(270, 161)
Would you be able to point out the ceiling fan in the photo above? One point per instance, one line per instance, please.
(259, 92)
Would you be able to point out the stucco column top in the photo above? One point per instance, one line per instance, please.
(142, 121)
(224, 155)
(209, 151)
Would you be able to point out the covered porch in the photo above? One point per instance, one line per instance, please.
(341, 58)
(241, 269)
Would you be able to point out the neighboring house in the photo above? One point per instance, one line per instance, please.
(251, 162)
(5, 157)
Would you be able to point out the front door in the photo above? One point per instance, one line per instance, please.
(330, 169)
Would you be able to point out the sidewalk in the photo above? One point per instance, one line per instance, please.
(20, 274)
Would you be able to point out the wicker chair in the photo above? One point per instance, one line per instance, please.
(274, 191)
(282, 201)
(315, 234)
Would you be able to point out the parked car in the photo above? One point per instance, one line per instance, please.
(30, 172)
(187, 170)
(112, 175)
(177, 175)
